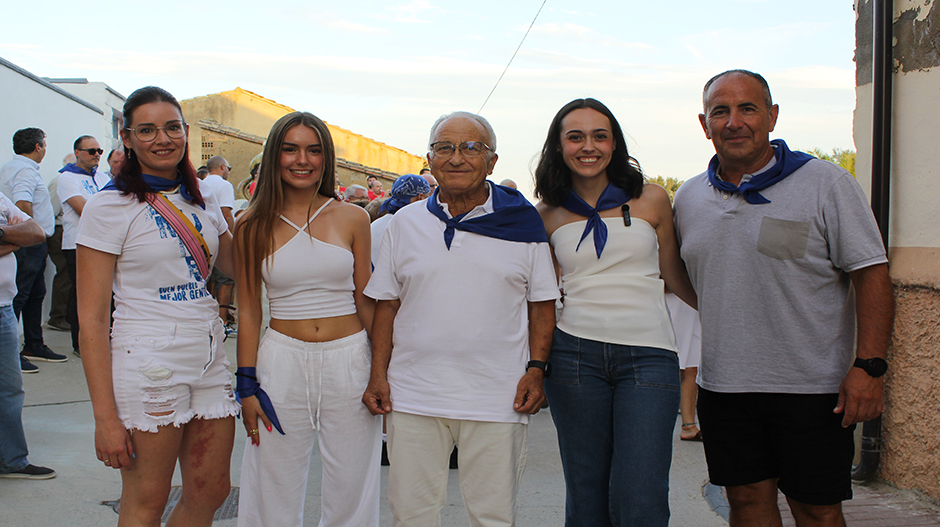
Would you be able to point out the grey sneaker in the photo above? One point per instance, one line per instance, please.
(43, 354)
(30, 472)
(58, 325)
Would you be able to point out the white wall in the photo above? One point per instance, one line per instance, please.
(99, 94)
(914, 234)
(29, 103)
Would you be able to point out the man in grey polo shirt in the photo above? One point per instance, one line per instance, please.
(790, 270)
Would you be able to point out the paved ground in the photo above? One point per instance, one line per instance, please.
(60, 430)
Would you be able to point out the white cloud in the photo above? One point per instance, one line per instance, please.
(356, 27)
(411, 13)
(584, 35)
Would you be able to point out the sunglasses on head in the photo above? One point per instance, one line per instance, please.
(92, 151)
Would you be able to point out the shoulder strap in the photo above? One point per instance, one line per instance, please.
(309, 221)
(184, 228)
(292, 224)
(317, 213)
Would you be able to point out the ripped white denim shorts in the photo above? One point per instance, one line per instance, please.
(166, 373)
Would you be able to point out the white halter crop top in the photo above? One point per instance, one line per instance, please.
(618, 298)
(309, 278)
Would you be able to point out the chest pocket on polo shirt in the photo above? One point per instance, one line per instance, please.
(782, 239)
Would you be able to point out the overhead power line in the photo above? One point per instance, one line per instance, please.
(513, 56)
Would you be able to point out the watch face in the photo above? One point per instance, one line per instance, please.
(877, 367)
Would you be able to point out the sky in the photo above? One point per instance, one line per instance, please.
(388, 69)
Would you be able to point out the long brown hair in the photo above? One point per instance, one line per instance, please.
(254, 233)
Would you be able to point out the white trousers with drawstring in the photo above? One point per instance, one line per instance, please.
(316, 389)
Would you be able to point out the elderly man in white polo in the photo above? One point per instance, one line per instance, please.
(463, 328)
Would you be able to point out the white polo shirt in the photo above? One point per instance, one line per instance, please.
(460, 340)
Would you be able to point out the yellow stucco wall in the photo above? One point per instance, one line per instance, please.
(254, 114)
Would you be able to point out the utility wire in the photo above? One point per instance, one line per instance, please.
(513, 56)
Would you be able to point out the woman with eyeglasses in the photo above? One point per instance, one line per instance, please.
(160, 385)
(303, 379)
(614, 383)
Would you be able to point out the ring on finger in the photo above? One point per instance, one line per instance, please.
(253, 432)
(107, 461)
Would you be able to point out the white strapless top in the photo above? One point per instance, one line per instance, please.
(619, 297)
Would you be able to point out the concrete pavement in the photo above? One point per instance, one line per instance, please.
(60, 432)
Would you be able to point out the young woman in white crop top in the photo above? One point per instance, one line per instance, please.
(614, 383)
(159, 380)
(305, 378)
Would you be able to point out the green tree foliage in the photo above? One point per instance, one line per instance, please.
(671, 184)
(843, 158)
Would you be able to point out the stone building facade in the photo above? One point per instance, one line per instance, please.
(235, 124)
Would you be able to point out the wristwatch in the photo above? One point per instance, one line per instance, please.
(540, 364)
(875, 367)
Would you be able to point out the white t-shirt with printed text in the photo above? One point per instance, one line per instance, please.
(71, 184)
(155, 277)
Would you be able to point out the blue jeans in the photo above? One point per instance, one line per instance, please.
(614, 409)
(31, 289)
(12, 439)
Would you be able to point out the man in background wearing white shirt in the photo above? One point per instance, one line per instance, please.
(21, 181)
(217, 181)
(76, 185)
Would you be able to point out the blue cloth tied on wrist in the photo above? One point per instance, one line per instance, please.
(612, 196)
(787, 163)
(513, 218)
(247, 385)
(157, 184)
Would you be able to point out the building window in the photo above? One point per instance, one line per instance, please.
(206, 157)
(206, 143)
(117, 123)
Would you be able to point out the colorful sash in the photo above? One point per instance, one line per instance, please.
(185, 230)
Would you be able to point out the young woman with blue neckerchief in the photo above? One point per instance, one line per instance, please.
(614, 384)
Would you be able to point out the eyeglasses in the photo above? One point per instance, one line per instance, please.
(227, 167)
(92, 151)
(148, 132)
(467, 148)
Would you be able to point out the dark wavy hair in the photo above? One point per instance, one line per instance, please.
(552, 175)
(128, 178)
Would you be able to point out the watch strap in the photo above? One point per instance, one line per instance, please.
(540, 364)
